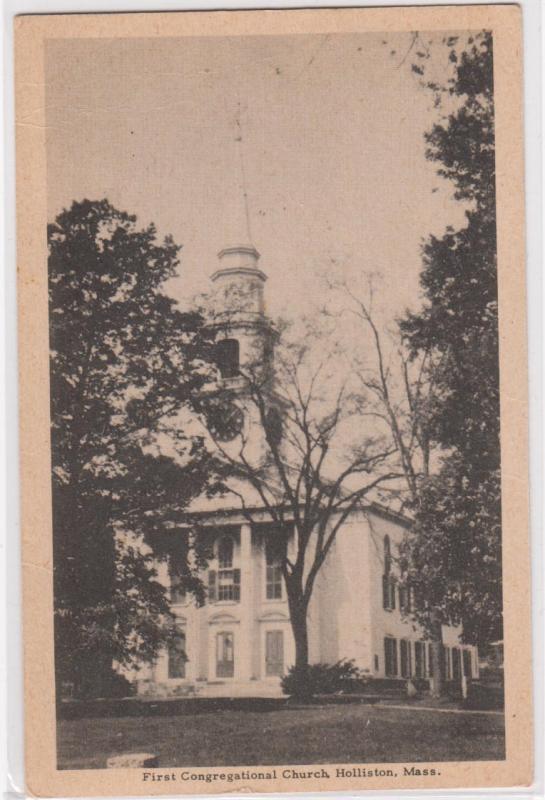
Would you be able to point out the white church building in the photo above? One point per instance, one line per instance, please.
(240, 642)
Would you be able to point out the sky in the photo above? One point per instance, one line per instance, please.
(324, 135)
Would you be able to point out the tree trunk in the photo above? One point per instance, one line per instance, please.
(299, 626)
(300, 634)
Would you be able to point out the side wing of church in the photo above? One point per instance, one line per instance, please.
(240, 643)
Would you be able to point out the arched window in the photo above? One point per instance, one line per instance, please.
(388, 581)
(228, 357)
(387, 555)
(225, 654)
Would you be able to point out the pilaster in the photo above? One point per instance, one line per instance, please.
(246, 634)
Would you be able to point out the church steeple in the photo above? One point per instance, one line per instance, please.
(239, 283)
(244, 335)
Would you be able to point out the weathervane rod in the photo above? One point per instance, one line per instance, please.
(239, 139)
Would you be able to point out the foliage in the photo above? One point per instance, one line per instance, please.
(124, 363)
(340, 678)
(454, 553)
(483, 698)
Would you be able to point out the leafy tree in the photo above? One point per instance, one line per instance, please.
(124, 364)
(454, 551)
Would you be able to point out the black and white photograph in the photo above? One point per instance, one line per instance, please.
(274, 383)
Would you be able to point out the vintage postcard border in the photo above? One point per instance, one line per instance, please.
(31, 32)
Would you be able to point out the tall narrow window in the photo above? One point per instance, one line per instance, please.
(456, 664)
(228, 578)
(406, 659)
(177, 656)
(177, 590)
(445, 663)
(273, 558)
(228, 357)
(390, 657)
(387, 555)
(388, 581)
(405, 597)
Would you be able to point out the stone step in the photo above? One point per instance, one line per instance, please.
(132, 760)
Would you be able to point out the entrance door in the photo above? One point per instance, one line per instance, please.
(274, 653)
(225, 655)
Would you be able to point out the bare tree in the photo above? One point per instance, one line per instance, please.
(404, 394)
(313, 470)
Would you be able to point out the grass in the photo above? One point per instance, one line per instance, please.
(288, 735)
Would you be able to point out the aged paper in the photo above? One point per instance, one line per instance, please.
(299, 147)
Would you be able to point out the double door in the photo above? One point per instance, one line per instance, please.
(274, 653)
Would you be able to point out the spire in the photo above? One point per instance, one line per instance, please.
(235, 226)
(239, 141)
(238, 281)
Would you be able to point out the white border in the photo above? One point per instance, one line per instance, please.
(11, 693)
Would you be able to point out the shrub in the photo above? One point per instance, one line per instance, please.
(481, 697)
(340, 678)
(116, 686)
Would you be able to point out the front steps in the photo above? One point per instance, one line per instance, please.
(239, 689)
(216, 688)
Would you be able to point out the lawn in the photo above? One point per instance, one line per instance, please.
(286, 735)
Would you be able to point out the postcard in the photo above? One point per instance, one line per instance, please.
(273, 401)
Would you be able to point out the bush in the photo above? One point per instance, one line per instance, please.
(481, 697)
(106, 684)
(340, 678)
(118, 686)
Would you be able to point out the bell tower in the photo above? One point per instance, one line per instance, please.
(244, 335)
(239, 284)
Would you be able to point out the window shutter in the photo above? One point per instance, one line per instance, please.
(419, 660)
(467, 663)
(212, 586)
(445, 663)
(236, 585)
(405, 659)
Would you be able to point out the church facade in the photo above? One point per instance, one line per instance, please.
(240, 642)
